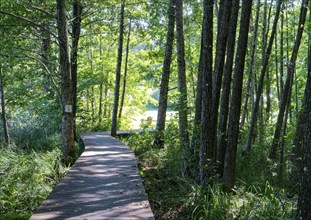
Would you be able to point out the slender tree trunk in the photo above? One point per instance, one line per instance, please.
(114, 122)
(282, 142)
(221, 45)
(261, 79)
(268, 97)
(282, 56)
(100, 108)
(224, 109)
(251, 65)
(93, 105)
(289, 80)
(76, 30)
(3, 112)
(195, 139)
(101, 86)
(277, 68)
(66, 82)
(106, 107)
(304, 202)
(296, 156)
(182, 84)
(235, 104)
(125, 69)
(206, 142)
(165, 76)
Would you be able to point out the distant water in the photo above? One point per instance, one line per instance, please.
(150, 113)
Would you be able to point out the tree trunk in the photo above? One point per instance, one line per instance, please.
(125, 69)
(114, 122)
(251, 65)
(158, 140)
(93, 104)
(76, 30)
(195, 139)
(224, 109)
(66, 83)
(3, 112)
(235, 104)
(182, 83)
(277, 68)
(206, 143)
(101, 86)
(221, 44)
(282, 56)
(268, 97)
(261, 79)
(100, 108)
(304, 201)
(289, 80)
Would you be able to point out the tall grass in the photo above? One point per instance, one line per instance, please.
(29, 169)
(260, 192)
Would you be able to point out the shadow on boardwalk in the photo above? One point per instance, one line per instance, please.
(104, 183)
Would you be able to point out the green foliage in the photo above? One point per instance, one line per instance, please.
(27, 177)
(260, 192)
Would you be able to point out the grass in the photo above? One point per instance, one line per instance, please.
(260, 192)
(27, 176)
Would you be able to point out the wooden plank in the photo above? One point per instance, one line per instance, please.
(104, 183)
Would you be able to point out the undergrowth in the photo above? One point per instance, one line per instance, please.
(28, 175)
(261, 193)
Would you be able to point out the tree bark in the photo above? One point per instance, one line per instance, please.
(304, 202)
(100, 107)
(101, 85)
(158, 140)
(235, 104)
(251, 65)
(282, 56)
(206, 141)
(182, 84)
(125, 69)
(66, 83)
(114, 122)
(224, 109)
(289, 80)
(261, 79)
(76, 30)
(3, 111)
(195, 139)
(221, 45)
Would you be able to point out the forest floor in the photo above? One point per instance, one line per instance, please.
(266, 195)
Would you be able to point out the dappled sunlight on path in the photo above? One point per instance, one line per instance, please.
(104, 183)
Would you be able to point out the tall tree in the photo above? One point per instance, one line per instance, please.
(221, 45)
(114, 122)
(251, 65)
(304, 202)
(165, 75)
(182, 82)
(66, 82)
(195, 139)
(235, 103)
(289, 79)
(76, 30)
(206, 141)
(260, 85)
(224, 108)
(125, 67)
(3, 111)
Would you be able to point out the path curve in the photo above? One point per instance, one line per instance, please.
(104, 183)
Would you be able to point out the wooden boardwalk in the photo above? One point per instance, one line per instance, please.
(104, 183)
